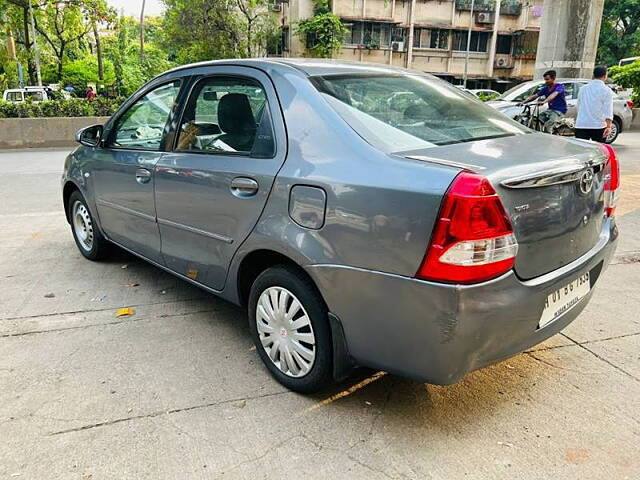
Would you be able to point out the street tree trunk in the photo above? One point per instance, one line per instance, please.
(142, 31)
(31, 68)
(98, 52)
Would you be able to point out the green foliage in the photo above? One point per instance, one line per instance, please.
(628, 76)
(620, 31)
(196, 30)
(73, 107)
(322, 34)
(485, 96)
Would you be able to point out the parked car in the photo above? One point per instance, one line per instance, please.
(19, 95)
(507, 103)
(428, 242)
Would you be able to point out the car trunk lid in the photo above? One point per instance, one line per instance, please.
(551, 188)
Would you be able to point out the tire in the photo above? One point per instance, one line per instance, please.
(89, 240)
(292, 335)
(616, 128)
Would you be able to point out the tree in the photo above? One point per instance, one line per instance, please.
(208, 29)
(628, 76)
(16, 18)
(620, 31)
(257, 24)
(63, 23)
(323, 32)
(197, 30)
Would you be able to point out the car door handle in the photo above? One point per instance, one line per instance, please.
(143, 175)
(244, 187)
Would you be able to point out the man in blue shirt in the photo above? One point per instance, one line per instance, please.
(553, 94)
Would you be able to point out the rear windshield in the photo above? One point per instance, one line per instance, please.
(406, 112)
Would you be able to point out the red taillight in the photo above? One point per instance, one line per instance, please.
(611, 180)
(473, 239)
(630, 104)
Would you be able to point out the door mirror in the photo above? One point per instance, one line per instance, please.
(90, 136)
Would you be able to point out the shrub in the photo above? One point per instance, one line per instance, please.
(73, 107)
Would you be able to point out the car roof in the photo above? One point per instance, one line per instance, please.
(308, 66)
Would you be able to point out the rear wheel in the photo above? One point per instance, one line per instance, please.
(289, 326)
(88, 238)
(615, 131)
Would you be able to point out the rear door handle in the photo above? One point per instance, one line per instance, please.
(244, 187)
(143, 175)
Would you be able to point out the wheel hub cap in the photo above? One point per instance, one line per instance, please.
(285, 331)
(82, 226)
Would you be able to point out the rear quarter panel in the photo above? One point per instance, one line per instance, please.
(380, 208)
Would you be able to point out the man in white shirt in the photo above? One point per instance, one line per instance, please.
(595, 108)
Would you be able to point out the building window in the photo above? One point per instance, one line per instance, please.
(372, 34)
(503, 45)
(279, 43)
(430, 38)
(479, 41)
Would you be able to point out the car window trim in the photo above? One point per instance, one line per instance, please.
(185, 101)
(167, 127)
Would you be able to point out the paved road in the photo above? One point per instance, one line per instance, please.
(177, 392)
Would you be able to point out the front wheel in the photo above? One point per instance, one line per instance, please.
(88, 238)
(289, 326)
(615, 131)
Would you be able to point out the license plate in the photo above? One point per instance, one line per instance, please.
(564, 299)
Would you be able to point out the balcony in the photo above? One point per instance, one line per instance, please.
(507, 7)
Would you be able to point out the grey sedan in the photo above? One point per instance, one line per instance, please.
(426, 237)
(507, 103)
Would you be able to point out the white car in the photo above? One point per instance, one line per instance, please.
(507, 103)
(19, 95)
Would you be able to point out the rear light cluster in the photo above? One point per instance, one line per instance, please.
(473, 239)
(611, 180)
(630, 104)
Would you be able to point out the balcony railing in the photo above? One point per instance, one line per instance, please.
(507, 7)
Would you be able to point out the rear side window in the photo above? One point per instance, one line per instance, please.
(405, 112)
(227, 115)
(14, 96)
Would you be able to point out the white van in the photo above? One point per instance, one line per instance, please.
(19, 95)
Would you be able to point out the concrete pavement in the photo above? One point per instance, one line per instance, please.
(177, 392)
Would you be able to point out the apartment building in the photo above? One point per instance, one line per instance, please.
(431, 36)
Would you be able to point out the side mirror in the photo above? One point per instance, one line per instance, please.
(89, 136)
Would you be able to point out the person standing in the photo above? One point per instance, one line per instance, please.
(90, 93)
(595, 108)
(554, 96)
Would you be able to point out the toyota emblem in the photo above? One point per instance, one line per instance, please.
(586, 182)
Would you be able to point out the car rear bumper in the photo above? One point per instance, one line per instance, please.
(437, 333)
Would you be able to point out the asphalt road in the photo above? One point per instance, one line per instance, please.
(176, 391)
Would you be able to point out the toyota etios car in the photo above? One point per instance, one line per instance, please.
(365, 215)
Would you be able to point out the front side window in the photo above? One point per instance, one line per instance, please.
(35, 96)
(227, 114)
(407, 112)
(142, 125)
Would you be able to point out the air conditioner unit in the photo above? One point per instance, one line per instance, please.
(397, 46)
(275, 7)
(484, 17)
(503, 62)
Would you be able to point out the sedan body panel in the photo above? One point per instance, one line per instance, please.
(554, 224)
(437, 333)
(125, 201)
